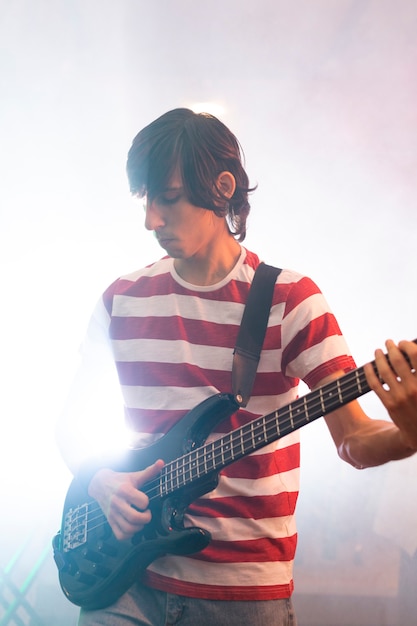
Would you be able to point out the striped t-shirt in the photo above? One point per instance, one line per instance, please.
(173, 347)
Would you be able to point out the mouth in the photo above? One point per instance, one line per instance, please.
(164, 241)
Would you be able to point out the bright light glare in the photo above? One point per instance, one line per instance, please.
(215, 108)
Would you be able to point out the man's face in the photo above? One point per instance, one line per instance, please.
(181, 228)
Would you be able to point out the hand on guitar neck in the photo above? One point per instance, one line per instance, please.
(396, 386)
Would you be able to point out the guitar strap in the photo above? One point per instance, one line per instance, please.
(252, 330)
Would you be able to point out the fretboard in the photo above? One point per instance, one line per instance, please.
(214, 456)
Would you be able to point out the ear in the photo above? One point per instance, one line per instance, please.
(226, 183)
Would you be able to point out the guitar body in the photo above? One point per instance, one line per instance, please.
(95, 568)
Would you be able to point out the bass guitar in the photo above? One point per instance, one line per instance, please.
(95, 568)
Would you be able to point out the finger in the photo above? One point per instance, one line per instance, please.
(371, 376)
(140, 500)
(409, 348)
(380, 375)
(127, 525)
(129, 514)
(401, 363)
(385, 372)
(393, 366)
(143, 476)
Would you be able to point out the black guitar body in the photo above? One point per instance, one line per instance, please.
(95, 568)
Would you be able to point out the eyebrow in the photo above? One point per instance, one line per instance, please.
(165, 190)
(172, 189)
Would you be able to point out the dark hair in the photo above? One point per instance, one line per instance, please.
(201, 147)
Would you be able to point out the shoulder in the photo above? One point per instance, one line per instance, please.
(295, 287)
(290, 283)
(138, 281)
(158, 268)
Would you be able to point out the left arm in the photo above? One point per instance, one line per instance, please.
(365, 442)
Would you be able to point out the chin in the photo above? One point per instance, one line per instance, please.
(175, 253)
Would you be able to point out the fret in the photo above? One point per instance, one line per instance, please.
(330, 398)
(177, 472)
(227, 451)
(230, 448)
(179, 469)
(170, 476)
(242, 443)
(291, 418)
(209, 457)
(171, 484)
(277, 424)
(323, 406)
(252, 432)
(221, 455)
(358, 381)
(255, 430)
(339, 391)
(205, 462)
(163, 480)
(195, 473)
(187, 470)
(182, 470)
(234, 446)
(161, 491)
(264, 430)
(305, 402)
(216, 456)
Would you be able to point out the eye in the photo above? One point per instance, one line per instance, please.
(168, 198)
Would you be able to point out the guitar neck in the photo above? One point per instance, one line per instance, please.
(212, 457)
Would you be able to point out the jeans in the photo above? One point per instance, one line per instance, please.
(142, 606)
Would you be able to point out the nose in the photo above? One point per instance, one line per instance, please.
(153, 216)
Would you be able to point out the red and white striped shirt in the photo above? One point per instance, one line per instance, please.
(173, 347)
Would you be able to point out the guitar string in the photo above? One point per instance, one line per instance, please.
(214, 453)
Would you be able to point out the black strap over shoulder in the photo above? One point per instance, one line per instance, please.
(252, 332)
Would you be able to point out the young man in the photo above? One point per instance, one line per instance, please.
(171, 329)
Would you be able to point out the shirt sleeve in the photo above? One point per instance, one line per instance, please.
(312, 342)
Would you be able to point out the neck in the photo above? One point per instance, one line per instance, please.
(211, 267)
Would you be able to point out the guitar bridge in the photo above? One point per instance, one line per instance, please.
(74, 532)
